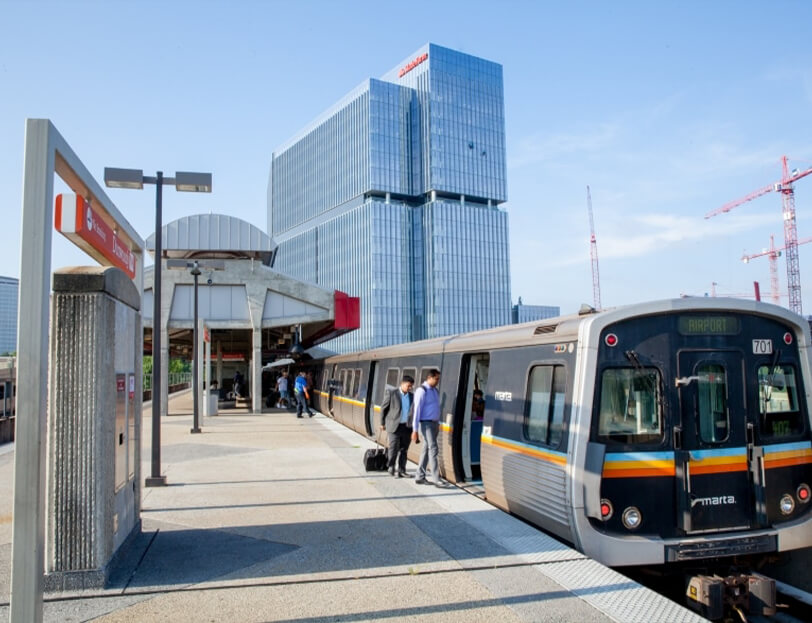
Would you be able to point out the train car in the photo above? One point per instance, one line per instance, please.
(663, 432)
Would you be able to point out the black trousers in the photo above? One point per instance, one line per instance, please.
(398, 447)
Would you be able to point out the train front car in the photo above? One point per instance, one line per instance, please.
(699, 433)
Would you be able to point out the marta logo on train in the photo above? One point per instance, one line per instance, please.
(714, 501)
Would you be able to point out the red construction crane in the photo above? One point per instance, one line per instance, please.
(593, 254)
(790, 232)
(772, 254)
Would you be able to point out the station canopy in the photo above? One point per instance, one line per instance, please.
(247, 297)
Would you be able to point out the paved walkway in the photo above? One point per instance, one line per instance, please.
(272, 518)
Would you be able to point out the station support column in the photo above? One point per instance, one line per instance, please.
(256, 371)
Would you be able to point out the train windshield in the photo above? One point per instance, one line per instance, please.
(630, 405)
(712, 411)
(778, 401)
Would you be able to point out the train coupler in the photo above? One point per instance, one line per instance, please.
(712, 595)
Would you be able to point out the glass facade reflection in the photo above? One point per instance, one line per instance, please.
(393, 195)
(9, 290)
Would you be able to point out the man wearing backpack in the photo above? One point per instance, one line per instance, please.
(426, 419)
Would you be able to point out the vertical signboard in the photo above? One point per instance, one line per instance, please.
(131, 415)
(121, 431)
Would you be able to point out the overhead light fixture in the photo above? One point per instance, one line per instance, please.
(123, 178)
(193, 182)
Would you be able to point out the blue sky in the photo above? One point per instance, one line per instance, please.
(666, 109)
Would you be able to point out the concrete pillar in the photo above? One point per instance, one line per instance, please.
(201, 399)
(164, 371)
(256, 372)
(167, 291)
(219, 364)
(94, 431)
(207, 368)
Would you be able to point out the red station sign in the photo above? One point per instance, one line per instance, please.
(79, 222)
(407, 68)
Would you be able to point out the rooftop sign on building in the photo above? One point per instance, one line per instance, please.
(407, 68)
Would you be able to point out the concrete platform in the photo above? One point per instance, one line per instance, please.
(272, 518)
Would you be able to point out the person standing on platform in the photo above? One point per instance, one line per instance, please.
(395, 421)
(426, 419)
(238, 383)
(300, 389)
(282, 388)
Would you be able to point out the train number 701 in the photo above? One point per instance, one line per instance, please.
(762, 347)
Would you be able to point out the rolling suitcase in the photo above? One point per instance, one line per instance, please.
(375, 459)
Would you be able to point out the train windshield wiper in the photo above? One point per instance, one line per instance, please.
(647, 377)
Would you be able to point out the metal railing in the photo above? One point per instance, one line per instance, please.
(176, 378)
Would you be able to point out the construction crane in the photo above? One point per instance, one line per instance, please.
(772, 254)
(790, 232)
(593, 254)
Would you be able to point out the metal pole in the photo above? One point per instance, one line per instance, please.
(195, 365)
(156, 480)
(28, 540)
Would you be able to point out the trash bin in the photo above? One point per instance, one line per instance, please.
(214, 396)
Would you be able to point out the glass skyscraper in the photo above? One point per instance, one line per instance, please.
(394, 194)
(9, 288)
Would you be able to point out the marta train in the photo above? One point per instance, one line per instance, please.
(657, 433)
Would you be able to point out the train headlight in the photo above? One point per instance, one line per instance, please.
(786, 504)
(606, 509)
(632, 518)
(803, 494)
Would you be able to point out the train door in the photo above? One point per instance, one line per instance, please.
(369, 398)
(470, 412)
(714, 486)
(332, 385)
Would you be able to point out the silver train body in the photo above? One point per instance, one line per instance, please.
(655, 433)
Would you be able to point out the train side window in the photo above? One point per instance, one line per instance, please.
(392, 378)
(544, 421)
(714, 420)
(630, 406)
(359, 375)
(342, 380)
(778, 401)
(424, 373)
(351, 383)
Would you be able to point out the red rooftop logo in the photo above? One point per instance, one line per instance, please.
(405, 70)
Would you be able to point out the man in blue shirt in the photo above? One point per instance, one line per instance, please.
(426, 419)
(395, 421)
(300, 389)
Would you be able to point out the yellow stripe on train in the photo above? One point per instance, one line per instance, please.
(536, 453)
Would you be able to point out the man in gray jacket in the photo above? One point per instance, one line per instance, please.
(395, 421)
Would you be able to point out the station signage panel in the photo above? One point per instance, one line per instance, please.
(76, 219)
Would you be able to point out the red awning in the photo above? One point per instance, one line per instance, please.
(347, 318)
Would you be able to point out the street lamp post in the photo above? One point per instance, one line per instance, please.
(183, 181)
(195, 271)
(196, 408)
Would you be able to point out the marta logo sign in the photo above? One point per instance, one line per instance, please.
(75, 218)
(405, 70)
